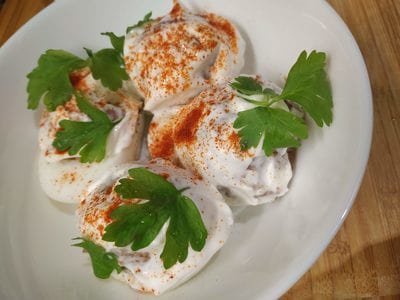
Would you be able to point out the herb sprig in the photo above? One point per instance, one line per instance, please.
(103, 263)
(147, 18)
(139, 224)
(50, 79)
(307, 85)
(107, 65)
(89, 139)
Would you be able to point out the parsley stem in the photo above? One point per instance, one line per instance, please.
(274, 100)
(263, 102)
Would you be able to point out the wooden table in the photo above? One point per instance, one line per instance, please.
(364, 258)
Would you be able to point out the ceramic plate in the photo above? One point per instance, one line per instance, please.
(271, 245)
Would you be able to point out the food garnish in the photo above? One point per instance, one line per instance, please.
(116, 41)
(107, 65)
(50, 79)
(147, 18)
(139, 224)
(103, 263)
(89, 139)
(307, 85)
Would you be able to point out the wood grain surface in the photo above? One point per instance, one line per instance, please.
(363, 261)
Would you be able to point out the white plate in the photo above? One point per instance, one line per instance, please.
(271, 245)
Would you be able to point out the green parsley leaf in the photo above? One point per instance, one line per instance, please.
(147, 18)
(108, 66)
(50, 79)
(281, 129)
(87, 138)
(308, 85)
(116, 41)
(103, 263)
(269, 92)
(185, 226)
(247, 85)
(139, 224)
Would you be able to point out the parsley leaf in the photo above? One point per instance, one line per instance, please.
(307, 85)
(108, 66)
(147, 18)
(103, 263)
(116, 41)
(139, 224)
(50, 79)
(247, 85)
(185, 226)
(252, 91)
(280, 128)
(87, 138)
